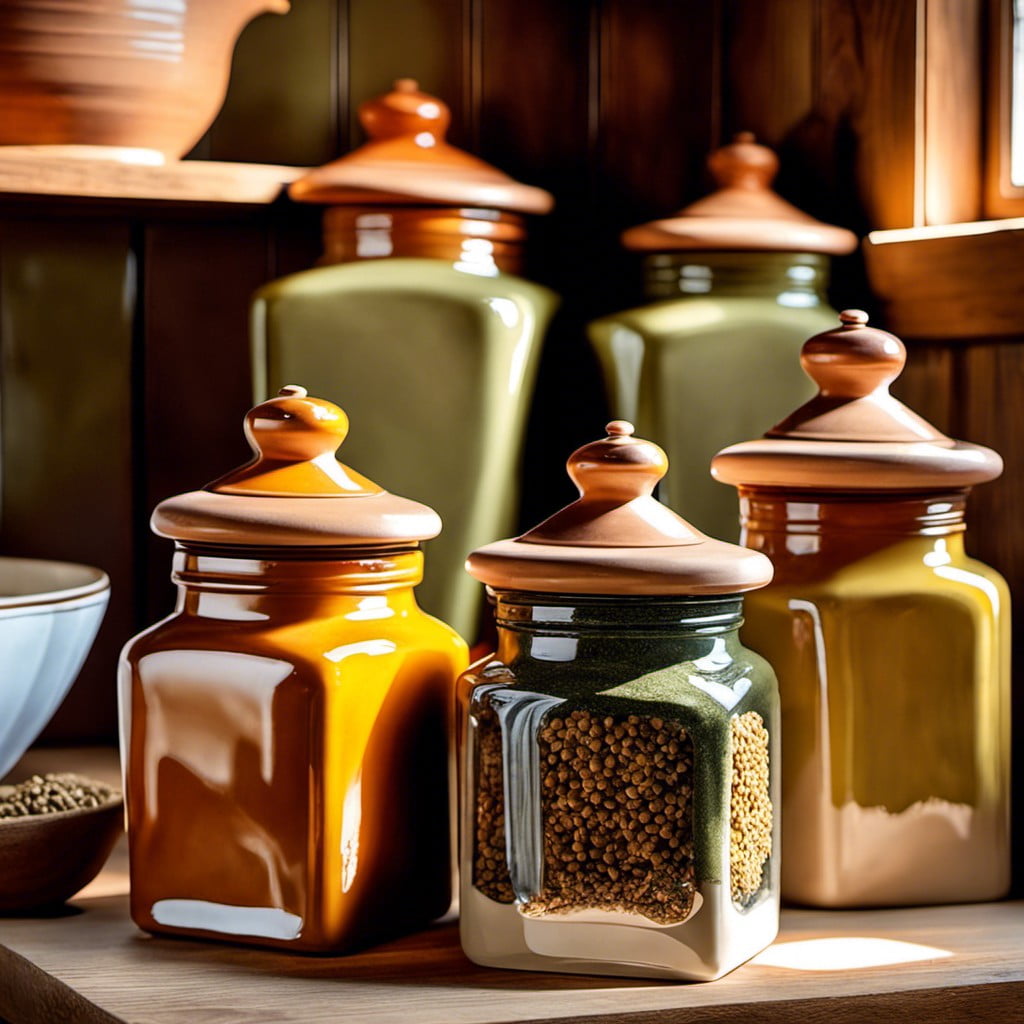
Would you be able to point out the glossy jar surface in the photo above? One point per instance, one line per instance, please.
(285, 738)
(690, 368)
(892, 649)
(618, 789)
(455, 348)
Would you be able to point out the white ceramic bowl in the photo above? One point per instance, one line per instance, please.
(49, 615)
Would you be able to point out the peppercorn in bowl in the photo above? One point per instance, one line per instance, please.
(56, 832)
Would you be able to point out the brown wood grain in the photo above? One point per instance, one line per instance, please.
(954, 61)
(950, 285)
(67, 294)
(772, 66)
(424, 979)
(31, 171)
(990, 382)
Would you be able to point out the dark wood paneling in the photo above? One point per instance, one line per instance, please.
(990, 381)
(771, 60)
(67, 295)
(429, 40)
(197, 384)
(282, 105)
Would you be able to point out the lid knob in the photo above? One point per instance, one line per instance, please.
(294, 438)
(854, 360)
(295, 428)
(743, 164)
(617, 468)
(405, 111)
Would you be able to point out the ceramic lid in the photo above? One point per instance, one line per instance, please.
(616, 538)
(295, 492)
(742, 214)
(853, 435)
(407, 160)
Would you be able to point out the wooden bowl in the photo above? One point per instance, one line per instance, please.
(46, 858)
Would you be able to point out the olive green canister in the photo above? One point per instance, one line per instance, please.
(735, 282)
(418, 322)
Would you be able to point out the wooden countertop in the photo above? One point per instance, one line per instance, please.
(91, 964)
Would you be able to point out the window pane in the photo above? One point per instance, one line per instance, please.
(1017, 100)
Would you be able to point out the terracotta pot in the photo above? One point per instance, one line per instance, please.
(130, 73)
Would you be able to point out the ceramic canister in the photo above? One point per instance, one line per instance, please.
(419, 307)
(735, 282)
(618, 794)
(891, 644)
(285, 732)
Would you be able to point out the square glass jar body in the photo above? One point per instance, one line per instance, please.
(618, 790)
(285, 737)
(892, 649)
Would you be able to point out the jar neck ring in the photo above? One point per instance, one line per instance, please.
(767, 511)
(295, 571)
(634, 616)
(792, 279)
(476, 240)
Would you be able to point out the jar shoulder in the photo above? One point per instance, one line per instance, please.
(314, 645)
(720, 684)
(677, 319)
(429, 277)
(912, 570)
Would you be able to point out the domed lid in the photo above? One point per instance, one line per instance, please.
(616, 538)
(295, 492)
(742, 214)
(853, 435)
(407, 160)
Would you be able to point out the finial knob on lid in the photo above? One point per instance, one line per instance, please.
(854, 360)
(293, 427)
(618, 468)
(294, 439)
(405, 111)
(743, 164)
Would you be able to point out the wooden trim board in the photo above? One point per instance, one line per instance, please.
(28, 171)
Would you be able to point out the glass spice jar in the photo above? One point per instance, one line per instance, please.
(619, 750)
(891, 644)
(285, 733)
(735, 283)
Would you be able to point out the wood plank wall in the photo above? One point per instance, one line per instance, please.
(131, 320)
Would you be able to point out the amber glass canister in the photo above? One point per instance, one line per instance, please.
(285, 733)
(734, 283)
(891, 644)
(419, 305)
(619, 803)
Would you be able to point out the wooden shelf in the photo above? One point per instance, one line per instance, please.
(953, 281)
(25, 171)
(93, 965)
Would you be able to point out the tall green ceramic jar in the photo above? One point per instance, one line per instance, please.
(418, 323)
(619, 750)
(735, 283)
